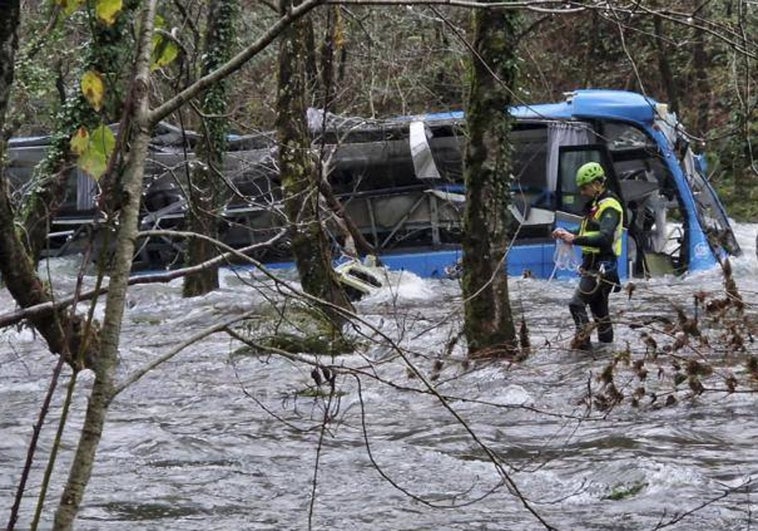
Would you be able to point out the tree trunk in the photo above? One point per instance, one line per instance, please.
(105, 368)
(206, 189)
(488, 323)
(664, 67)
(746, 172)
(327, 93)
(701, 66)
(9, 20)
(202, 219)
(65, 334)
(299, 175)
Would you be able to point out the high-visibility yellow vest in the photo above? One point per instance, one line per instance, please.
(591, 224)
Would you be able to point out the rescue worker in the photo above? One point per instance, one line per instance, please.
(599, 236)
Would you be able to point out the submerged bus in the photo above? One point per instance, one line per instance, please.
(400, 181)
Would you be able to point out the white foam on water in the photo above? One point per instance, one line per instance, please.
(401, 286)
(511, 395)
(13, 336)
(665, 477)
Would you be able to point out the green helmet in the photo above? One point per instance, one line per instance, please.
(588, 173)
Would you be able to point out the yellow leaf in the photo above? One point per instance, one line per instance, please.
(93, 88)
(80, 141)
(108, 10)
(69, 6)
(164, 52)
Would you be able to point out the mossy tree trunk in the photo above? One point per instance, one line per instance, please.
(488, 322)
(331, 44)
(65, 334)
(299, 174)
(10, 17)
(207, 191)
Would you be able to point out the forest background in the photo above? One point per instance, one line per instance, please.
(387, 60)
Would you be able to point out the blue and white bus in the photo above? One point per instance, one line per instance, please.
(400, 183)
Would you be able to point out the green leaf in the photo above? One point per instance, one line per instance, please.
(93, 160)
(108, 10)
(103, 140)
(165, 51)
(93, 163)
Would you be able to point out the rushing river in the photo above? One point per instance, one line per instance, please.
(214, 440)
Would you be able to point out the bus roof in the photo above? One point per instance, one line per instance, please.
(584, 103)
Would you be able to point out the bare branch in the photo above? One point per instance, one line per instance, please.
(166, 108)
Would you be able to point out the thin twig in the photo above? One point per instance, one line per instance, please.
(36, 429)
